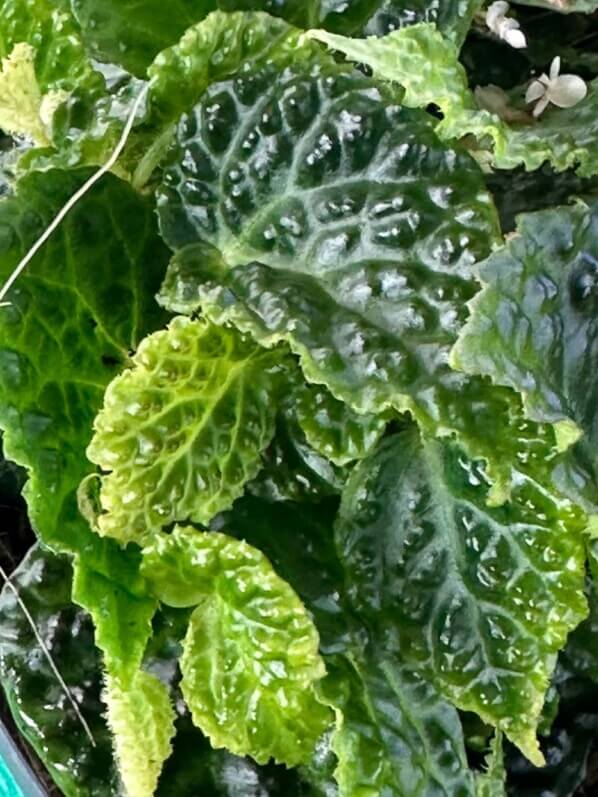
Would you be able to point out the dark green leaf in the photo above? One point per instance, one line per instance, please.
(478, 599)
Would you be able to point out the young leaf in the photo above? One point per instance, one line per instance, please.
(142, 721)
(123, 621)
(250, 658)
(414, 748)
(492, 783)
(20, 96)
(183, 430)
(427, 65)
(533, 327)
(48, 26)
(478, 599)
(84, 301)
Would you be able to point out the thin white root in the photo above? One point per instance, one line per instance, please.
(76, 197)
(48, 656)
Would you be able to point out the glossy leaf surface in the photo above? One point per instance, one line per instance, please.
(250, 657)
(394, 735)
(477, 599)
(61, 61)
(364, 226)
(39, 706)
(83, 302)
(132, 33)
(332, 428)
(533, 327)
(183, 430)
(427, 65)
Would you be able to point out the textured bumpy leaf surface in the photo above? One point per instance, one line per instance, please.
(394, 735)
(183, 430)
(391, 725)
(479, 599)
(142, 722)
(427, 65)
(250, 658)
(362, 230)
(20, 95)
(131, 33)
(83, 302)
(39, 706)
(304, 555)
(534, 326)
(60, 58)
(332, 428)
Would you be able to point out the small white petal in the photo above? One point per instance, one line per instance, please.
(496, 11)
(541, 106)
(535, 90)
(566, 91)
(555, 67)
(516, 38)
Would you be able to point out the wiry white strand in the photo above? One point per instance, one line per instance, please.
(48, 655)
(76, 197)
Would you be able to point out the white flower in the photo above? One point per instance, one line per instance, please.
(505, 28)
(564, 91)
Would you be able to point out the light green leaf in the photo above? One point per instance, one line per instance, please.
(250, 658)
(60, 58)
(332, 428)
(492, 783)
(533, 327)
(477, 599)
(123, 621)
(139, 712)
(183, 431)
(20, 95)
(427, 66)
(394, 735)
(418, 57)
(360, 230)
(83, 302)
(142, 721)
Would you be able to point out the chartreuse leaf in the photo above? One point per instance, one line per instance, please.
(339, 224)
(492, 783)
(477, 599)
(533, 327)
(183, 430)
(123, 621)
(142, 722)
(20, 95)
(427, 66)
(250, 657)
(394, 736)
(140, 714)
(61, 61)
(332, 428)
(81, 305)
